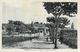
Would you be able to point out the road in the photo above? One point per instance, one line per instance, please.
(40, 43)
(36, 44)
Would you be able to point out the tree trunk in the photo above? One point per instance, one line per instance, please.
(56, 32)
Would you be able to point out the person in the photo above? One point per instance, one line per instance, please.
(61, 39)
(46, 38)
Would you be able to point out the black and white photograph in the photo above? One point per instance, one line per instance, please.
(39, 25)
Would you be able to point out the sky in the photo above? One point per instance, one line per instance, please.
(25, 11)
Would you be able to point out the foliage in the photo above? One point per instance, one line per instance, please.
(36, 23)
(58, 9)
(62, 21)
(65, 8)
(16, 26)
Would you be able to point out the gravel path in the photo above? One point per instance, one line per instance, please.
(36, 44)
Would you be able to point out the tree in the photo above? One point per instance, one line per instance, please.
(62, 21)
(36, 23)
(20, 26)
(10, 27)
(58, 9)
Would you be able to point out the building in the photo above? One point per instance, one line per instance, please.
(41, 28)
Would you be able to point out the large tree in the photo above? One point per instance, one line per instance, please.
(58, 9)
(62, 21)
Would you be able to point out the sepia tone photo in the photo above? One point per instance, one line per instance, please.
(52, 26)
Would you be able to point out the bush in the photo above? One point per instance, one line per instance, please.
(12, 39)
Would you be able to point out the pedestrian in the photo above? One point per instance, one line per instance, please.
(61, 39)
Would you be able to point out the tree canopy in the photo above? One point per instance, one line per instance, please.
(62, 21)
(65, 8)
(60, 8)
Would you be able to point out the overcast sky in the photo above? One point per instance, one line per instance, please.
(25, 11)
